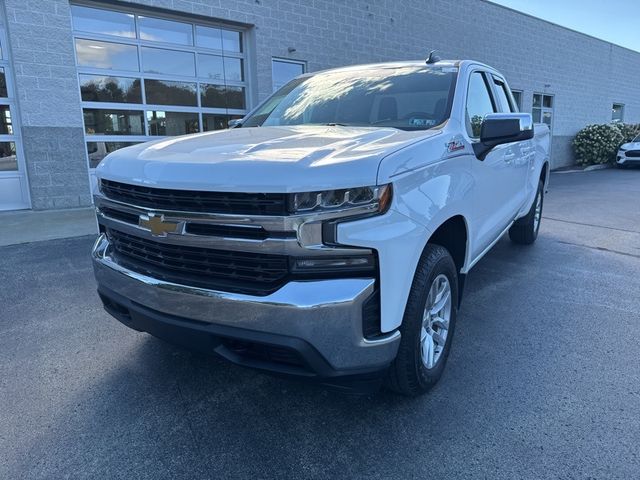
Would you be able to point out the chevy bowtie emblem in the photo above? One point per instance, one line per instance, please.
(157, 225)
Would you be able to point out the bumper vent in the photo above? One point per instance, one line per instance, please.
(196, 201)
(371, 316)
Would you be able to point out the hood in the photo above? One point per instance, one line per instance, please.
(631, 146)
(260, 159)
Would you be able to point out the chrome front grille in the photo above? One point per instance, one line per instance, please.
(238, 253)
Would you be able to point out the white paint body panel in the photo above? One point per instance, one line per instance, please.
(622, 157)
(260, 159)
(431, 184)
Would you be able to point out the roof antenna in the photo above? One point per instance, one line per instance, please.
(433, 58)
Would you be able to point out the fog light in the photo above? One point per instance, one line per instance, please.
(347, 264)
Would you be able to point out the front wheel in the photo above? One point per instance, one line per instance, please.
(428, 324)
(525, 230)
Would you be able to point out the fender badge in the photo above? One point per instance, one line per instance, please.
(454, 146)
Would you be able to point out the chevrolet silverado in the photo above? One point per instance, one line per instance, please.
(328, 234)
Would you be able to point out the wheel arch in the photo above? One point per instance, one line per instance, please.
(453, 234)
(544, 174)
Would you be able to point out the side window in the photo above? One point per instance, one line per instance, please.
(505, 103)
(479, 104)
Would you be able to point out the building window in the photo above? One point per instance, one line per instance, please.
(517, 98)
(617, 112)
(284, 70)
(542, 110)
(142, 77)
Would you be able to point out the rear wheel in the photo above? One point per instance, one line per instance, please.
(525, 230)
(428, 324)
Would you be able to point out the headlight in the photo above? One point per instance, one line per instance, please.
(622, 149)
(376, 197)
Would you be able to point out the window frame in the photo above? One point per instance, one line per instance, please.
(499, 82)
(542, 108)
(518, 104)
(244, 56)
(613, 106)
(16, 137)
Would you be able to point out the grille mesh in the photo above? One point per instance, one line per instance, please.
(196, 201)
(231, 271)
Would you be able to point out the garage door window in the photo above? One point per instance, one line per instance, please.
(143, 76)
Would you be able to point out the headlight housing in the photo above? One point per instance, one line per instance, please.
(375, 198)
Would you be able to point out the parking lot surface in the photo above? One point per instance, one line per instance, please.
(543, 380)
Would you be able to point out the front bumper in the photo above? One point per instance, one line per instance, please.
(310, 329)
(622, 159)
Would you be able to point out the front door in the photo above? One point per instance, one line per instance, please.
(497, 183)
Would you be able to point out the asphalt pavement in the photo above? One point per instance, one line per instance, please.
(543, 380)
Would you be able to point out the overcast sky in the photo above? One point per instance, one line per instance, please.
(617, 21)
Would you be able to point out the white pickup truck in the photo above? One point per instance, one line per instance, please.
(328, 234)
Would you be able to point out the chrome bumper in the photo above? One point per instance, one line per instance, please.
(327, 314)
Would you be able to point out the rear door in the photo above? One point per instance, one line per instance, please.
(498, 183)
(518, 153)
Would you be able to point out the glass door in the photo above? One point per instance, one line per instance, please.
(14, 193)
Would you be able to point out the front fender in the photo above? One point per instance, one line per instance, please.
(423, 200)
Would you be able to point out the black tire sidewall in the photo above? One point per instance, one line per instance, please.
(442, 265)
(540, 194)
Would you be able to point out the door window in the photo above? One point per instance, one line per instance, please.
(505, 101)
(479, 104)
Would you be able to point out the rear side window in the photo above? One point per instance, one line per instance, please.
(505, 104)
(479, 104)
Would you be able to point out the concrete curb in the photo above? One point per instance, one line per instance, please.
(590, 168)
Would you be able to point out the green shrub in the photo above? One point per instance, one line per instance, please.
(596, 144)
(629, 131)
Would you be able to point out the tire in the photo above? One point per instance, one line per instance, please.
(525, 230)
(409, 374)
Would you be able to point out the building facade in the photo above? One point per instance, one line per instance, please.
(82, 78)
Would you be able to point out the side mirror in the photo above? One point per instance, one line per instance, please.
(501, 128)
(236, 122)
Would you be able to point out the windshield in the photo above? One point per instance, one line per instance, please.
(408, 98)
(637, 139)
